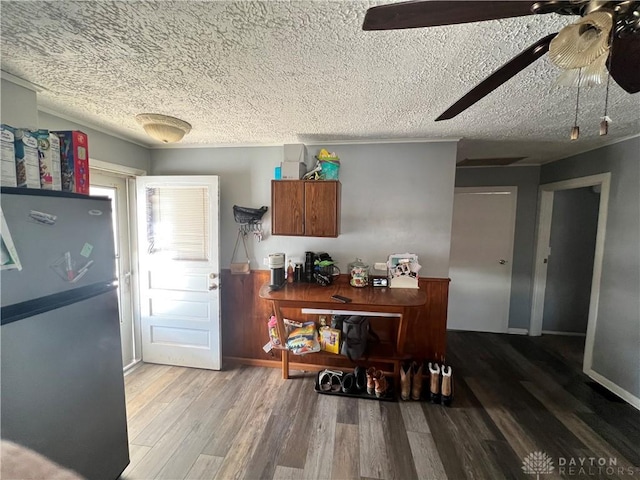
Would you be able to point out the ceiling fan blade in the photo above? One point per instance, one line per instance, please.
(625, 62)
(428, 13)
(500, 76)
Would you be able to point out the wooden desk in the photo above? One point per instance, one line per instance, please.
(402, 301)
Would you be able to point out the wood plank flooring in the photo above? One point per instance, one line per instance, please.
(514, 395)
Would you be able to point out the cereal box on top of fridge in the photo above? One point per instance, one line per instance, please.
(74, 161)
(27, 164)
(49, 154)
(7, 156)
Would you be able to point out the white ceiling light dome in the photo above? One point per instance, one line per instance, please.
(163, 127)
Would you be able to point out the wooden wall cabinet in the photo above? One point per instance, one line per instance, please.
(305, 208)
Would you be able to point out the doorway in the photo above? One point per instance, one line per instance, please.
(115, 187)
(544, 252)
(574, 224)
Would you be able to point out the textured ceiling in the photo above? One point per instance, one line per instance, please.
(299, 71)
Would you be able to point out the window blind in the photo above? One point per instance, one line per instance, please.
(178, 222)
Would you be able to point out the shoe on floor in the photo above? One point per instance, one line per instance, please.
(416, 380)
(380, 384)
(370, 380)
(361, 378)
(405, 381)
(447, 385)
(434, 383)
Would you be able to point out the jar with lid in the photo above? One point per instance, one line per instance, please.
(359, 273)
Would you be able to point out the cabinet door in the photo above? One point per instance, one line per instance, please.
(287, 207)
(322, 208)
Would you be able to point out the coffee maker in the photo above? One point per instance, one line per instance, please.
(276, 265)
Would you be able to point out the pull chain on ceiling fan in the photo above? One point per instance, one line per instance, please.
(606, 38)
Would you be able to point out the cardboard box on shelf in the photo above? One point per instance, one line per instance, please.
(295, 152)
(292, 170)
(49, 155)
(27, 164)
(7, 156)
(74, 161)
(330, 339)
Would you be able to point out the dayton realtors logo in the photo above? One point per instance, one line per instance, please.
(537, 463)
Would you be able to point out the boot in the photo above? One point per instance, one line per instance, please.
(405, 382)
(380, 384)
(434, 384)
(447, 385)
(370, 380)
(416, 387)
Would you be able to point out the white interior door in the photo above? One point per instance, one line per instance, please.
(178, 237)
(115, 187)
(481, 258)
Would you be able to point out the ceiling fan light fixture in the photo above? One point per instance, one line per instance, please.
(581, 43)
(163, 128)
(593, 74)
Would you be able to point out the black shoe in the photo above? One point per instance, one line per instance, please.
(361, 378)
(349, 383)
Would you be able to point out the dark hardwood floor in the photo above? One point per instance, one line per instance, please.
(514, 396)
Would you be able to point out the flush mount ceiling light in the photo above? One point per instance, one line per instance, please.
(163, 127)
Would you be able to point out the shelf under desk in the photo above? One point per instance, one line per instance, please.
(402, 301)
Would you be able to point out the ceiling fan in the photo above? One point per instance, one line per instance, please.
(607, 34)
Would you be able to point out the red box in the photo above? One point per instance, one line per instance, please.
(74, 161)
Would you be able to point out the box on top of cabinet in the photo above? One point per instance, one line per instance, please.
(7, 156)
(27, 163)
(74, 161)
(292, 170)
(49, 155)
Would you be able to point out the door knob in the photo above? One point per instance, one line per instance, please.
(213, 287)
(502, 261)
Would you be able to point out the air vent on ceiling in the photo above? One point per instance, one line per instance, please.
(488, 162)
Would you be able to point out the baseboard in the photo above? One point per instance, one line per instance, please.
(518, 331)
(254, 362)
(132, 366)
(628, 397)
(566, 334)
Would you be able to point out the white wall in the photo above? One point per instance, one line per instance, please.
(396, 197)
(19, 106)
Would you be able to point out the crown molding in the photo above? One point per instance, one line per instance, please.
(372, 141)
(604, 144)
(22, 82)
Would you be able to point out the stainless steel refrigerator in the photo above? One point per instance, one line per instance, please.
(62, 386)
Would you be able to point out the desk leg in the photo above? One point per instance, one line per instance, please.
(285, 364)
(402, 330)
(282, 333)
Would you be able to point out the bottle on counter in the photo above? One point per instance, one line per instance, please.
(298, 273)
(290, 273)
